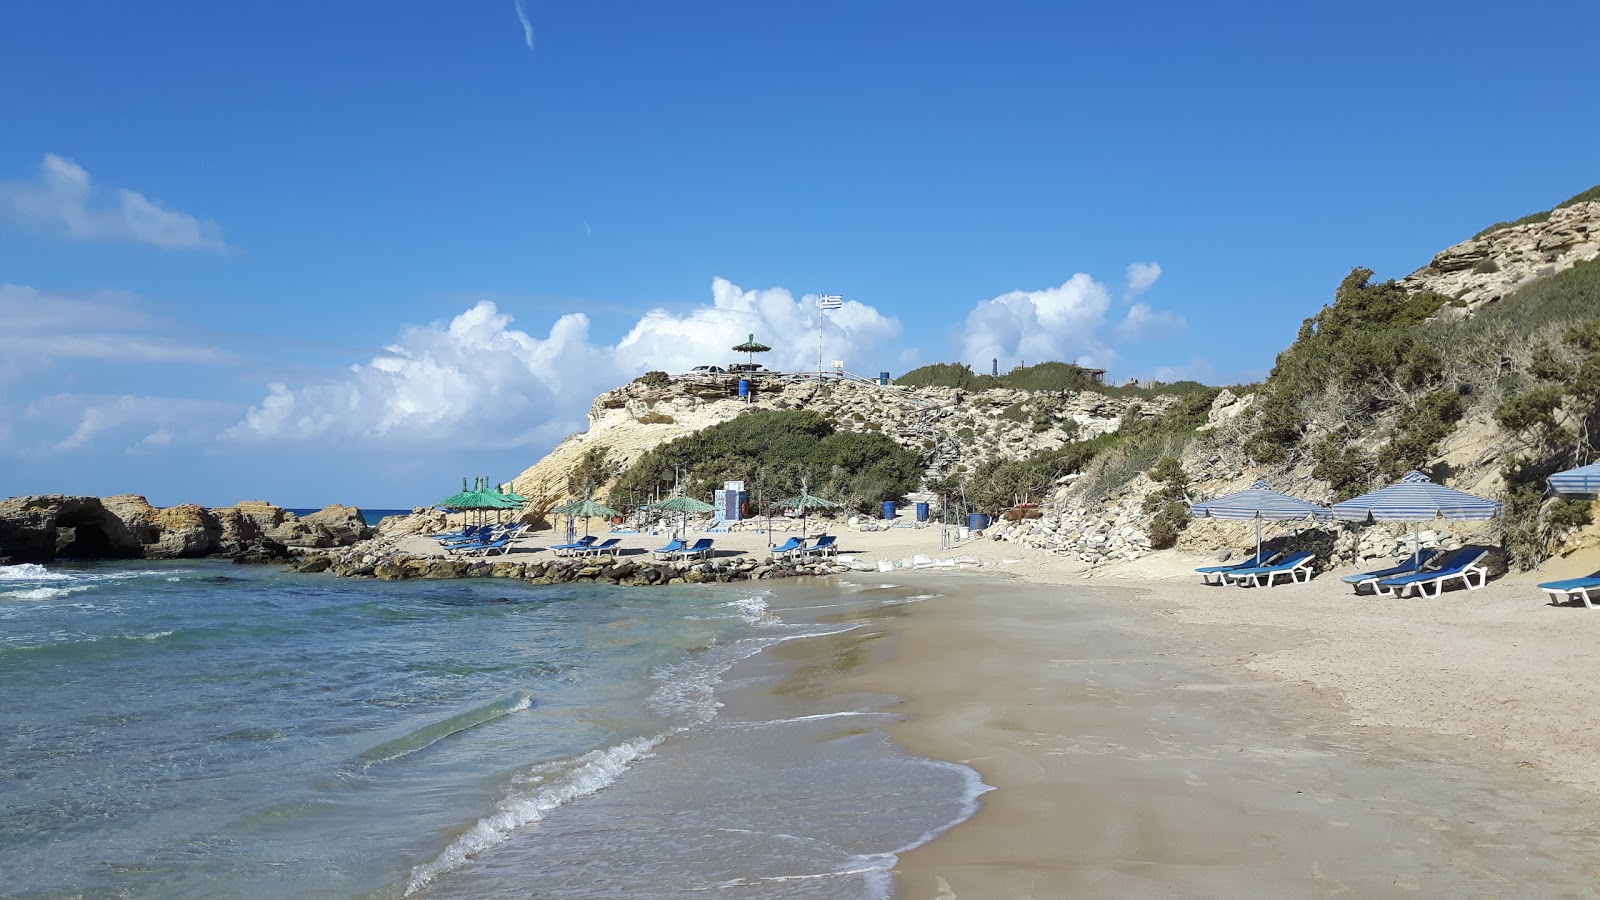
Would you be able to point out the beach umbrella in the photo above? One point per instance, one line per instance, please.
(1583, 481)
(587, 508)
(1416, 498)
(684, 505)
(1258, 502)
(805, 502)
(750, 348)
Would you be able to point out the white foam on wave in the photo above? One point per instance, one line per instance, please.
(42, 593)
(31, 572)
(592, 772)
(754, 609)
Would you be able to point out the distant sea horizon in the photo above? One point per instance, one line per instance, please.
(370, 516)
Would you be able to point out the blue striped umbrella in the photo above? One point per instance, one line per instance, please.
(1582, 480)
(1415, 498)
(1258, 502)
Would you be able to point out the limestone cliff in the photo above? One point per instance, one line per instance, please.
(1486, 268)
(953, 430)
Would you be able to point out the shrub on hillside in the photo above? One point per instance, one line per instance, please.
(654, 378)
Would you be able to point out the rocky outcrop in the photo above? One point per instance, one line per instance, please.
(953, 429)
(49, 527)
(1488, 267)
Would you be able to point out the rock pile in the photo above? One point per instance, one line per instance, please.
(43, 528)
(597, 570)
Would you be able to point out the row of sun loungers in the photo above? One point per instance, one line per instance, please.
(825, 545)
(677, 549)
(1425, 574)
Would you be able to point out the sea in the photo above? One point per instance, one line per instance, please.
(183, 729)
(370, 516)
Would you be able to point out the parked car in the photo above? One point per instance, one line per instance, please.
(746, 369)
(699, 371)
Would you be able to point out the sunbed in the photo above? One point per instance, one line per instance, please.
(1291, 567)
(1264, 558)
(1410, 565)
(1462, 564)
(669, 551)
(499, 545)
(792, 545)
(826, 545)
(1573, 589)
(701, 548)
(598, 549)
(572, 548)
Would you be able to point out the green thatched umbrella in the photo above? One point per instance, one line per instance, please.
(750, 348)
(684, 505)
(585, 508)
(805, 502)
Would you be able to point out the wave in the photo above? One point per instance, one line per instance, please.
(31, 572)
(42, 593)
(591, 773)
(434, 732)
(754, 609)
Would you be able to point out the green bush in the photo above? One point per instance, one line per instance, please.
(593, 470)
(774, 452)
(654, 379)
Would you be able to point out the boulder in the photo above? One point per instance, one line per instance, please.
(42, 528)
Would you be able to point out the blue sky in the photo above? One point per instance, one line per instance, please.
(310, 252)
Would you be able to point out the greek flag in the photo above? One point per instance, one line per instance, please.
(827, 301)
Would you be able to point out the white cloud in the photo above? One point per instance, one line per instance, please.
(1141, 276)
(1061, 323)
(478, 379)
(62, 202)
(37, 329)
(527, 27)
(145, 421)
(1145, 324)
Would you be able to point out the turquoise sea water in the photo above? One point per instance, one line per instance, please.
(370, 516)
(201, 729)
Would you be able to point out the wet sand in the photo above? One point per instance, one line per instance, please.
(1130, 759)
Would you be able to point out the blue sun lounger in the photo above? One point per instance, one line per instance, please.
(597, 549)
(1291, 567)
(701, 548)
(826, 545)
(1217, 574)
(1463, 564)
(669, 551)
(792, 545)
(1573, 589)
(500, 545)
(1409, 566)
(575, 546)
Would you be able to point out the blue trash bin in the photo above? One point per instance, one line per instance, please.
(883, 377)
(922, 512)
(977, 522)
(888, 509)
(744, 387)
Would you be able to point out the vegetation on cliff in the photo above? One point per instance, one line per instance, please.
(774, 452)
(1591, 194)
(1043, 377)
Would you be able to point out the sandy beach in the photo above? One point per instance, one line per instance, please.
(1149, 736)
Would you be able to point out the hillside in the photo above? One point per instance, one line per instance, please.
(1482, 368)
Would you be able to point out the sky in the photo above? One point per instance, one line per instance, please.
(351, 252)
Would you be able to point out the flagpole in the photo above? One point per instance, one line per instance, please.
(824, 302)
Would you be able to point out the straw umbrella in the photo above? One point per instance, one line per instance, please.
(1413, 499)
(750, 348)
(587, 508)
(684, 505)
(804, 502)
(1258, 502)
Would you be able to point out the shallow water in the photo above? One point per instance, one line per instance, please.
(204, 729)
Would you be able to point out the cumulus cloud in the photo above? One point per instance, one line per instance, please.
(477, 378)
(61, 201)
(1060, 323)
(1145, 324)
(1141, 276)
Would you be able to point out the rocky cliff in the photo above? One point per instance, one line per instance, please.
(955, 431)
(1486, 268)
(43, 528)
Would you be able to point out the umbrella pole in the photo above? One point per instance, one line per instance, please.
(1416, 544)
(1258, 539)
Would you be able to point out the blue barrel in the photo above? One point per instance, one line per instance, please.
(922, 512)
(977, 522)
(883, 377)
(744, 387)
(888, 509)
